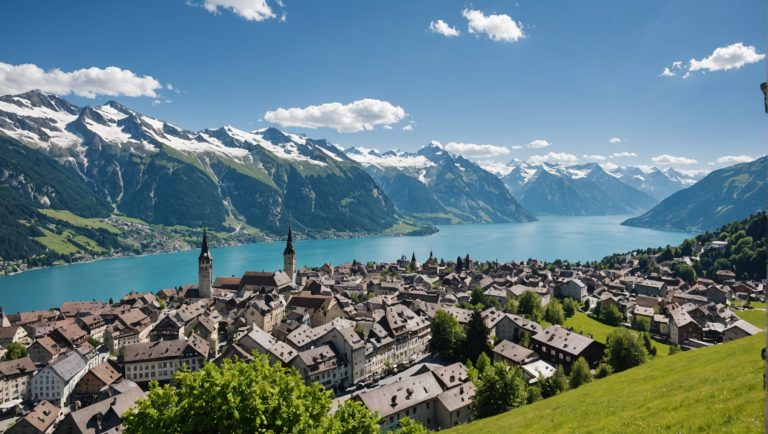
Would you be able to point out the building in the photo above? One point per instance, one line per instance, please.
(682, 327)
(204, 269)
(14, 334)
(104, 416)
(159, 360)
(289, 258)
(38, 421)
(513, 354)
(322, 365)
(739, 329)
(93, 381)
(575, 289)
(131, 327)
(56, 381)
(14, 378)
(513, 327)
(44, 350)
(562, 346)
(439, 398)
(651, 288)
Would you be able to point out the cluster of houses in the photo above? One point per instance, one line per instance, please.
(361, 330)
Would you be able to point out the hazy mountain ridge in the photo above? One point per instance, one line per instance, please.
(725, 195)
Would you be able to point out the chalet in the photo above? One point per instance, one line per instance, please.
(507, 351)
(682, 327)
(44, 350)
(513, 327)
(740, 329)
(104, 416)
(651, 288)
(562, 346)
(322, 364)
(98, 377)
(575, 289)
(94, 325)
(13, 334)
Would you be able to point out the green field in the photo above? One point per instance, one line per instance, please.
(754, 316)
(75, 220)
(716, 389)
(585, 325)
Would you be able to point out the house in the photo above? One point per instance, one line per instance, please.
(739, 329)
(130, 328)
(14, 378)
(267, 311)
(103, 416)
(322, 365)
(159, 360)
(538, 369)
(575, 289)
(562, 346)
(660, 325)
(321, 308)
(94, 325)
(170, 327)
(56, 381)
(69, 335)
(439, 398)
(724, 276)
(44, 350)
(71, 309)
(38, 421)
(262, 342)
(651, 288)
(513, 327)
(507, 351)
(12, 334)
(682, 327)
(643, 312)
(93, 381)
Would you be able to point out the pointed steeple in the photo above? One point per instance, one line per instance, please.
(204, 252)
(289, 244)
(413, 257)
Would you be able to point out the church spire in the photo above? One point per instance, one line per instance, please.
(289, 244)
(204, 253)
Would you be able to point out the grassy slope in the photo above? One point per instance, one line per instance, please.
(754, 316)
(91, 223)
(583, 324)
(715, 389)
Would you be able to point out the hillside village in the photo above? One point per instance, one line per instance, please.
(362, 330)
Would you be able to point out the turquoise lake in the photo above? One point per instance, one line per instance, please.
(550, 238)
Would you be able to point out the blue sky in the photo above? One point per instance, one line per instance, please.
(580, 74)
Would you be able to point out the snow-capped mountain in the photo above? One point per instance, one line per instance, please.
(161, 173)
(659, 183)
(439, 186)
(558, 189)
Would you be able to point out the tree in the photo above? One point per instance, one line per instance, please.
(610, 314)
(554, 312)
(15, 351)
(476, 342)
(499, 389)
(405, 426)
(483, 363)
(447, 335)
(641, 324)
(625, 349)
(512, 306)
(580, 373)
(674, 349)
(459, 265)
(530, 306)
(586, 305)
(239, 397)
(569, 307)
(603, 370)
(685, 272)
(555, 384)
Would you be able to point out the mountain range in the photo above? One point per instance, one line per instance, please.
(725, 195)
(160, 173)
(435, 185)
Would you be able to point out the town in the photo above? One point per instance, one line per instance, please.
(365, 331)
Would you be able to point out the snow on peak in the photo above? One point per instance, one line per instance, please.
(401, 159)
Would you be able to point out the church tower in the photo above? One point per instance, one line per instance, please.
(289, 257)
(204, 269)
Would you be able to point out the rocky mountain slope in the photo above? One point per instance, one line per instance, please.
(435, 185)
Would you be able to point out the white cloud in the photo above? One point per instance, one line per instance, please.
(553, 157)
(475, 150)
(499, 27)
(667, 73)
(609, 166)
(361, 115)
(251, 10)
(538, 144)
(614, 140)
(408, 127)
(623, 154)
(442, 28)
(668, 160)
(693, 172)
(733, 159)
(86, 82)
(595, 157)
(387, 127)
(516, 147)
(733, 56)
